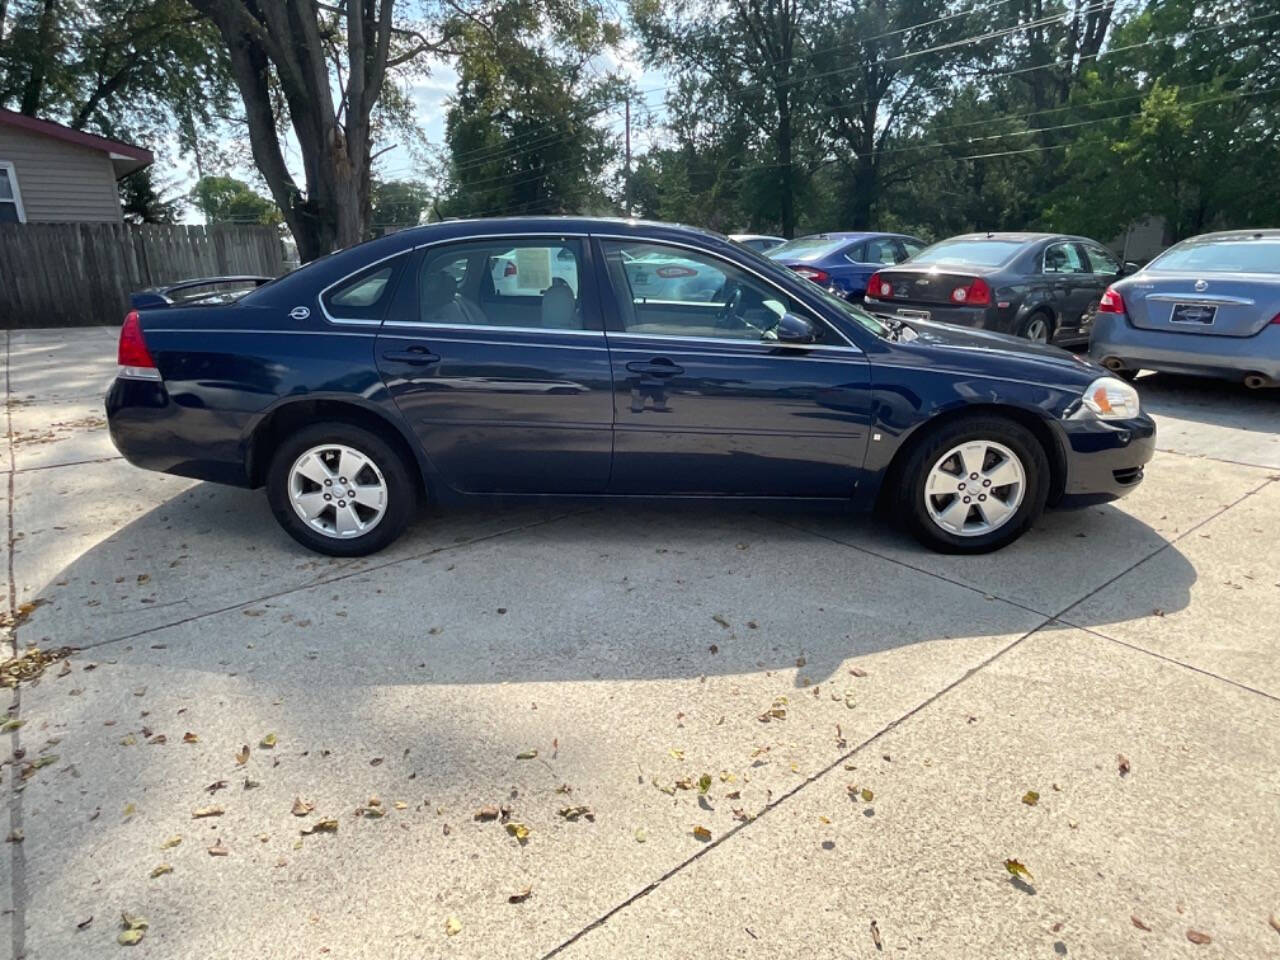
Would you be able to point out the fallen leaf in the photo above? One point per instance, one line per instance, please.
(161, 870)
(84, 924)
(129, 810)
(519, 831)
(452, 926)
(13, 723)
(15, 836)
(577, 813)
(171, 842)
(211, 811)
(321, 826)
(1275, 922)
(641, 835)
(720, 620)
(857, 672)
(243, 756)
(487, 812)
(520, 896)
(1018, 870)
(526, 754)
(216, 786)
(1139, 924)
(1123, 763)
(401, 805)
(678, 754)
(158, 740)
(301, 807)
(130, 938)
(875, 936)
(822, 819)
(135, 928)
(701, 833)
(268, 742)
(128, 741)
(1195, 936)
(1031, 798)
(867, 795)
(190, 737)
(218, 850)
(704, 783)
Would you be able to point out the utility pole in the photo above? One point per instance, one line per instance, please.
(627, 167)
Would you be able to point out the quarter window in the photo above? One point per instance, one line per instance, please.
(882, 252)
(363, 296)
(534, 284)
(1064, 258)
(10, 200)
(669, 291)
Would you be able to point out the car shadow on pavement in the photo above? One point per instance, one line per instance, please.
(1219, 402)
(568, 593)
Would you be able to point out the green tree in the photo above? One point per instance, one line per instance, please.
(227, 200)
(527, 129)
(399, 203)
(143, 201)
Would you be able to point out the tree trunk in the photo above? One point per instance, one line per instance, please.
(33, 89)
(786, 181)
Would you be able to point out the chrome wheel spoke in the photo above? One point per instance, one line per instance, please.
(994, 511)
(972, 456)
(350, 463)
(941, 482)
(310, 504)
(954, 515)
(345, 520)
(313, 468)
(1003, 473)
(368, 495)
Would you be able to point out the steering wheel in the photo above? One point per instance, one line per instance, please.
(727, 317)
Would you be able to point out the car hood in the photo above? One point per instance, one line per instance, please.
(1001, 354)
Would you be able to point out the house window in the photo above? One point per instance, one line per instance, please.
(10, 200)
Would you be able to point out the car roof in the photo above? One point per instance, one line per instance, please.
(552, 224)
(1261, 233)
(753, 236)
(1016, 237)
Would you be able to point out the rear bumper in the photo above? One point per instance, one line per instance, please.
(1197, 354)
(981, 318)
(1105, 459)
(154, 432)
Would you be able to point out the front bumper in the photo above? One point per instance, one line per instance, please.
(1197, 354)
(1105, 458)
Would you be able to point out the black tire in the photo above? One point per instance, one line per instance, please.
(401, 492)
(1024, 328)
(910, 503)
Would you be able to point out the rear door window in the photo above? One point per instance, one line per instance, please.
(1064, 258)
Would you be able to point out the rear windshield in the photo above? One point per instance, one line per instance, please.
(808, 248)
(1222, 256)
(983, 253)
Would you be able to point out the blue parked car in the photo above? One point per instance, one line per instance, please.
(400, 370)
(844, 262)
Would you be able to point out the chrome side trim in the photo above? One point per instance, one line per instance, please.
(473, 327)
(274, 333)
(498, 343)
(770, 344)
(1208, 299)
(350, 320)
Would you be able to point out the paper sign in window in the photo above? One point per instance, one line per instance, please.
(533, 268)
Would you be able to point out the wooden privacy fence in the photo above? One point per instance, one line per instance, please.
(75, 274)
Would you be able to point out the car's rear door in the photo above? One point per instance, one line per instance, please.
(705, 405)
(1072, 286)
(494, 352)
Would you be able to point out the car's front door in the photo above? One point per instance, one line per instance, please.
(708, 402)
(495, 353)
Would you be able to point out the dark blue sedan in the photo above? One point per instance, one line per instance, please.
(513, 359)
(844, 262)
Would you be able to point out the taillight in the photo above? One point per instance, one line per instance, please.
(1112, 302)
(877, 286)
(133, 353)
(509, 270)
(975, 294)
(1276, 318)
(813, 273)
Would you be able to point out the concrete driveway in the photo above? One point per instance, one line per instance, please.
(756, 735)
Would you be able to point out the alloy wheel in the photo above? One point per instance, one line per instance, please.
(338, 491)
(1037, 329)
(975, 488)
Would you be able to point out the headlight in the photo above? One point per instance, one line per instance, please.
(1111, 399)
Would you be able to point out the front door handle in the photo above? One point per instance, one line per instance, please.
(414, 356)
(655, 368)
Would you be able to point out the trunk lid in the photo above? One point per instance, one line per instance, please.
(1239, 305)
(926, 286)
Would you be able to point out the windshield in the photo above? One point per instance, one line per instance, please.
(982, 253)
(808, 248)
(1222, 256)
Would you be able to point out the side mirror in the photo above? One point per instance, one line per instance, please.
(794, 330)
(1130, 266)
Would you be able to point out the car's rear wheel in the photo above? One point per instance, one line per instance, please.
(1037, 327)
(340, 489)
(973, 485)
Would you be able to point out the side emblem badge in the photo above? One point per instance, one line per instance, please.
(1202, 286)
(300, 313)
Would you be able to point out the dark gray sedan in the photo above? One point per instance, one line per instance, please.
(1209, 306)
(1042, 286)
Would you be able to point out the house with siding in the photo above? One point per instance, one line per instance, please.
(51, 173)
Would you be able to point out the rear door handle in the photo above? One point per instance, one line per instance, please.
(414, 356)
(655, 368)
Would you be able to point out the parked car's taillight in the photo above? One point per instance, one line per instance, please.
(133, 353)
(1111, 302)
(877, 286)
(976, 294)
(813, 273)
(1276, 318)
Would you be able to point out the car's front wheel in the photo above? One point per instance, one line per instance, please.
(974, 485)
(340, 489)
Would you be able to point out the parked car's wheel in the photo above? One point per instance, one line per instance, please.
(340, 489)
(973, 485)
(1037, 327)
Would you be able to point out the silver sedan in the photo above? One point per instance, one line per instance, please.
(1209, 306)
